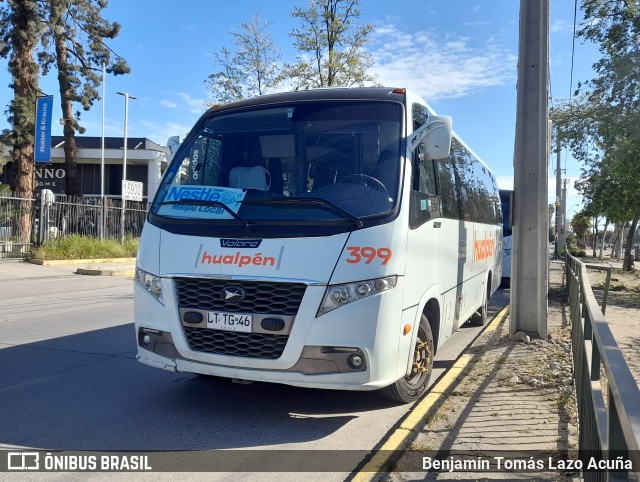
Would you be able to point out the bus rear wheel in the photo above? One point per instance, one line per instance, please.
(414, 385)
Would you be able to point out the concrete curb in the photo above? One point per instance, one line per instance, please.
(57, 262)
(106, 272)
(387, 455)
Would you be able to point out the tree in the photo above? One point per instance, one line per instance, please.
(601, 126)
(74, 42)
(599, 190)
(20, 29)
(331, 44)
(615, 26)
(252, 70)
(580, 224)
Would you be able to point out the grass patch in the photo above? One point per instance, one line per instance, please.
(75, 246)
(439, 416)
(422, 446)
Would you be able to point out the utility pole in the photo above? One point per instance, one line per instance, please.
(103, 218)
(558, 197)
(563, 218)
(530, 214)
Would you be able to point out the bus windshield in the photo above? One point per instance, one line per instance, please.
(333, 162)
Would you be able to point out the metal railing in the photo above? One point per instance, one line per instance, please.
(609, 419)
(37, 219)
(16, 226)
(88, 217)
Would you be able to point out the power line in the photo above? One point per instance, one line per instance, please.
(573, 53)
(573, 46)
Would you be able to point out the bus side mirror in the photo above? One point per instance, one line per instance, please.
(435, 137)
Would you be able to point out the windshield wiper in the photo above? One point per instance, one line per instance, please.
(218, 204)
(352, 221)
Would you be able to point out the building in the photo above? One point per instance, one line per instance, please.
(146, 162)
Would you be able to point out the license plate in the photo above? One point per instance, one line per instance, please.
(217, 320)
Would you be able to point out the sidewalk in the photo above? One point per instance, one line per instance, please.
(502, 398)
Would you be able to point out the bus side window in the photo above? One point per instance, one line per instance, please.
(424, 202)
(447, 188)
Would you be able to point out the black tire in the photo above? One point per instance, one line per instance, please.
(413, 386)
(479, 318)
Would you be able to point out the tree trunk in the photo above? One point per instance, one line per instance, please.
(24, 73)
(23, 168)
(595, 237)
(615, 247)
(72, 185)
(628, 255)
(604, 235)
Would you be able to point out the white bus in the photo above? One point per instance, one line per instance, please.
(328, 238)
(505, 203)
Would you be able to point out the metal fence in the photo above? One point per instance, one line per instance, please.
(38, 219)
(609, 405)
(16, 225)
(89, 217)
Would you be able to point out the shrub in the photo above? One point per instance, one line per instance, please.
(577, 252)
(75, 246)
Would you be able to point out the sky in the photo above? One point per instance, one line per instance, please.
(459, 55)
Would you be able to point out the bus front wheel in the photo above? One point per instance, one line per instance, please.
(479, 318)
(413, 386)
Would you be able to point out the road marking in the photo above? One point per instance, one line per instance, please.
(387, 455)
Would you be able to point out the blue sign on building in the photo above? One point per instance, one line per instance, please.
(42, 147)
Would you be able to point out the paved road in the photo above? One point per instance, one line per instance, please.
(69, 381)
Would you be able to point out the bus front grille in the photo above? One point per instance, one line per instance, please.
(260, 297)
(249, 345)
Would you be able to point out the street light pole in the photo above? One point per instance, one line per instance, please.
(103, 221)
(126, 96)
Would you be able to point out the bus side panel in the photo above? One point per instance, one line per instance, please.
(432, 249)
(457, 256)
(485, 255)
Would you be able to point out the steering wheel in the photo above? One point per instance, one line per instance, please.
(366, 180)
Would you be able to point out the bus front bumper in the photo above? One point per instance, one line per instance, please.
(318, 367)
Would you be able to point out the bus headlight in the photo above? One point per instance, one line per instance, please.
(339, 295)
(152, 283)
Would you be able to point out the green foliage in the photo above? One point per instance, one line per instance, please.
(20, 29)
(580, 223)
(81, 247)
(601, 124)
(74, 42)
(249, 71)
(71, 37)
(330, 44)
(574, 251)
